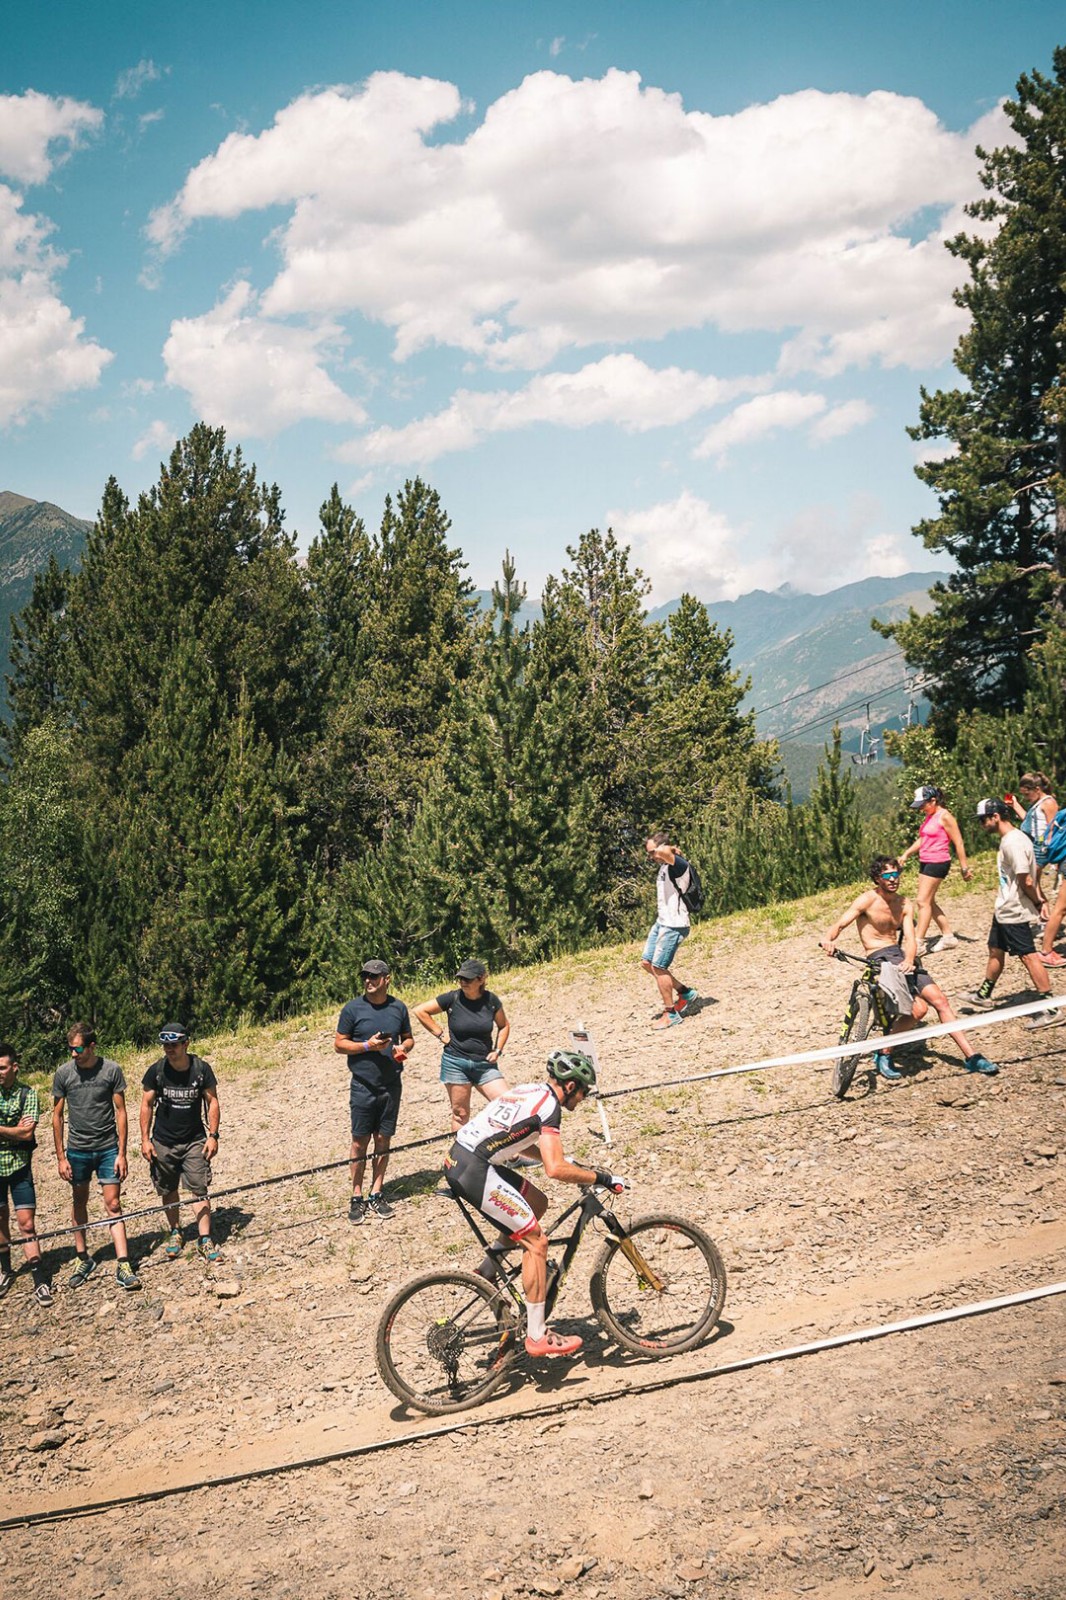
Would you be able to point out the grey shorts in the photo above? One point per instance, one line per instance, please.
(174, 1162)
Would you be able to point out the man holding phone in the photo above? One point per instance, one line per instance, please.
(374, 1032)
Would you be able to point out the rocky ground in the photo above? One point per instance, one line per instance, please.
(932, 1463)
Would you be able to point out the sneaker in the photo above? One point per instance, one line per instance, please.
(553, 1344)
(7, 1281)
(43, 1294)
(979, 1063)
(984, 1002)
(668, 1019)
(688, 995)
(947, 941)
(175, 1244)
(883, 1063)
(125, 1276)
(1043, 1019)
(1051, 958)
(357, 1209)
(83, 1271)
(380, 1208)
(208, 1250)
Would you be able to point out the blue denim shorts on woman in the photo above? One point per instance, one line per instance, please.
(460, 1069)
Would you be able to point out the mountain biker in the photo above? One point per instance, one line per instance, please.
(526, 1118)
(886, 931)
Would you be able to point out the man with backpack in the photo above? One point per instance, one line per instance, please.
(678, 893)
(176, 1144)
(20, 1110)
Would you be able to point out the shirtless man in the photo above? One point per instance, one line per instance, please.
(886, 931)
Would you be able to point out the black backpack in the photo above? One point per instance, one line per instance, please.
(693, 895)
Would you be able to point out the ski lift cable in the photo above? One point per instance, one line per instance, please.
(833, 716)
(842, 677)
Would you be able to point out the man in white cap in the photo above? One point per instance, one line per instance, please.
(1019, 903)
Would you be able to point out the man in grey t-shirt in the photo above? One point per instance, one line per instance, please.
(1019, 904)
(90, 1092)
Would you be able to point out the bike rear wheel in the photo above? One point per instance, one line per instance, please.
(653, 1321)
(445, 1341)
(857, 1024)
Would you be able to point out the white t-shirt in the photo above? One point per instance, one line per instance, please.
(1015, 857)
(672, 911)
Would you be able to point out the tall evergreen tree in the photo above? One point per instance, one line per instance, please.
(416, 645)
(700, 745)
(1002, 489)
(39, 642)
(593, 659)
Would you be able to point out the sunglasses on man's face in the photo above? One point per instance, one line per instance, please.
(78, 1049)
(890, 877)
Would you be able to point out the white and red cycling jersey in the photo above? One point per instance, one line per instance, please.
(512, 1123)
(509, 1126)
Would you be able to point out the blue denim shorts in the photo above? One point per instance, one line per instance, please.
(460, 1069)
(662, 945)
(87, 1164)
(19, 1185)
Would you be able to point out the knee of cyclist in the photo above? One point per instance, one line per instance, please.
(536, 1243)
(919, 1009)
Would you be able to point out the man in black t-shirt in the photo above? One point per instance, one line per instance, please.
(374, 1032)
(176, 1145)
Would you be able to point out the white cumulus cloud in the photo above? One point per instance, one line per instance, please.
(158, 437)
(620, 389)
(685, 544)
(755, 419)
(33, 124)
(44, 351)
(253, 374)
(605, 211)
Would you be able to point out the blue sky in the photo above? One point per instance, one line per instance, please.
(677, 268)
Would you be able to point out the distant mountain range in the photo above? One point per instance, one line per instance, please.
(811, 658)
(30, 532)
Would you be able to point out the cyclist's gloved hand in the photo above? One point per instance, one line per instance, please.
(610, 1180)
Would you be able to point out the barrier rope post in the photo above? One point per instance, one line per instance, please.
(581, 1039)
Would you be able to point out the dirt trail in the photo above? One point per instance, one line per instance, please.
(935, 1460)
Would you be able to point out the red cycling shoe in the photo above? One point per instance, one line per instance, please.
(553, 1344)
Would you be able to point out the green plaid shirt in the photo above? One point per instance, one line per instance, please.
(13, 1157)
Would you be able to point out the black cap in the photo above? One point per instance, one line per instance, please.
(472, 969)
(993, 808)
(375, 969)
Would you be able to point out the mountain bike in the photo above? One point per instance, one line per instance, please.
(867, 1007)
(448, 1339)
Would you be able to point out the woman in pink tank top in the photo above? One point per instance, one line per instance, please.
(937, 835)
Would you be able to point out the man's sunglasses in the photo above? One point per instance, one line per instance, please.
(172, 1038)
(78, 1049)
(892, 877)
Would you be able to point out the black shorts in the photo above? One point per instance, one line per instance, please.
(933, 869)
(375, 1107)
(1013, 938)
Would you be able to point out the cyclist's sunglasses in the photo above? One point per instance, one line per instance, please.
(894, 876)
(172, 1038)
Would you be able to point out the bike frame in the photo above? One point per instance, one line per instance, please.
(867, 979)
(589, 1207)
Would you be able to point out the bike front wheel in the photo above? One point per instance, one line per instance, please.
(668, 1300)
(857, 1024)
(445, 1341)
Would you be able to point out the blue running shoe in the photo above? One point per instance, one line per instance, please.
(981, 1063)
(883, 1063)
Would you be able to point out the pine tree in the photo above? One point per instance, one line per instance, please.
(416, 646)
(342, 577)
(39, 643)
(703, 747)
(592, 664)
(1002, 487)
